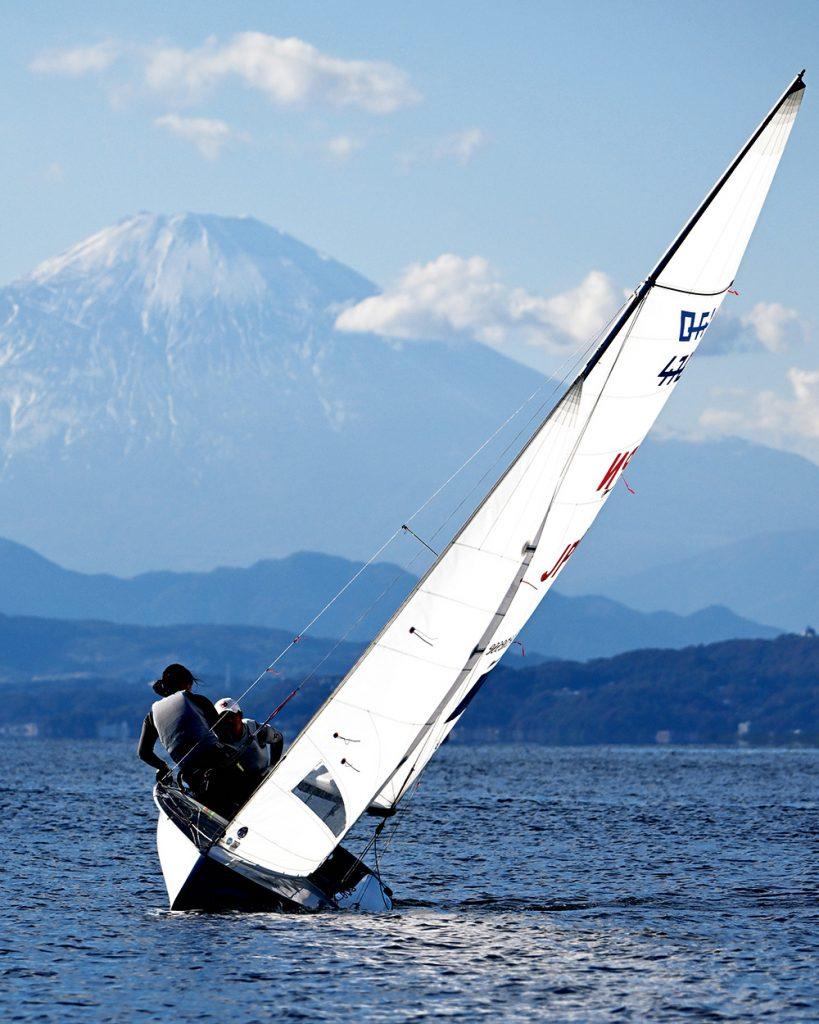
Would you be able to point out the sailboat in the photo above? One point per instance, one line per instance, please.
(365, 747)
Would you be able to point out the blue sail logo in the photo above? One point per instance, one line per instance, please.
(690, 328)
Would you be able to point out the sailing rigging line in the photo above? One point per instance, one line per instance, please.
(400, 814)
(387, 905)
(419, 743)
(435, 726)
(570, 364)
(372, 843)
(691, 291)
(628, 311)
(419, 539)
(567, 366)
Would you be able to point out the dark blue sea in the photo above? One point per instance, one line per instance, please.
(533, 884)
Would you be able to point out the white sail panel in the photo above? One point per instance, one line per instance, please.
(391, 696)
(714, 246)
(392, 710)
(622, 397)
(678, 317)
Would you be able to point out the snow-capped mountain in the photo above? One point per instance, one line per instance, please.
(173, 394)
(129, 331)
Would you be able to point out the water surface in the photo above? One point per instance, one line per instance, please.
(533, 884)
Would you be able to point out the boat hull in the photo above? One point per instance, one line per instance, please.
(202, 875)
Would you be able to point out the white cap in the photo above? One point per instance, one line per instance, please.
(227, 704)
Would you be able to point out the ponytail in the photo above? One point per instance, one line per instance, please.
(175, 677)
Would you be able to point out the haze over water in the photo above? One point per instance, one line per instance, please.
(533, 884)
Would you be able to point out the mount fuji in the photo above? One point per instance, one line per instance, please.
(174, 395)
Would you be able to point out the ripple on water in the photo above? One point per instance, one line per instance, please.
(532, 884)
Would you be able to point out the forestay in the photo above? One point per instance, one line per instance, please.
(373, 736)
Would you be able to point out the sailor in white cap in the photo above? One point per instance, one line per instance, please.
(259, 747)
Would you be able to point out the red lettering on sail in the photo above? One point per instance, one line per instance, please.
(621, 460)
(568, 551)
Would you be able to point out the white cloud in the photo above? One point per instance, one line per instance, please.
(776, 327)
(453, 297)
(459, 146)
(771, 414)
(81, 60)
(287, 71)
(580, 312)
(207, 134)
(342, 147)
(768, 326)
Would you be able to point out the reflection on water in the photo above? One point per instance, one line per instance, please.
(532, 884)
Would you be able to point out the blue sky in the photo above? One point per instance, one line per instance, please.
(549, 141)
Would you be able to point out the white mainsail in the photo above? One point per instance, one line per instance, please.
(387, 717)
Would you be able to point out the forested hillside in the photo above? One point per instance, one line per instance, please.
(741, 691)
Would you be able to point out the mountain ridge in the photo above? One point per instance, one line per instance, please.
(785, 593)
(285, 593)
(183, 374)
(174, 394)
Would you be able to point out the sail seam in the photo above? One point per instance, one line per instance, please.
(734, 229)
(417, 746)
(571, 362)
(623, 332)
(795, 86)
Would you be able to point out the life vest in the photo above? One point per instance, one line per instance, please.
(181, 727)
(254, 759)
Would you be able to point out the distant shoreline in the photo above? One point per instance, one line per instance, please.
(733, 694)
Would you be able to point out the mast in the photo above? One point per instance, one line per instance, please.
(797, 85)
(395, 706)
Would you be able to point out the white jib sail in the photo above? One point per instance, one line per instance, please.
(387, 717)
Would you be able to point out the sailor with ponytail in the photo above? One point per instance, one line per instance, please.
(184, 722)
